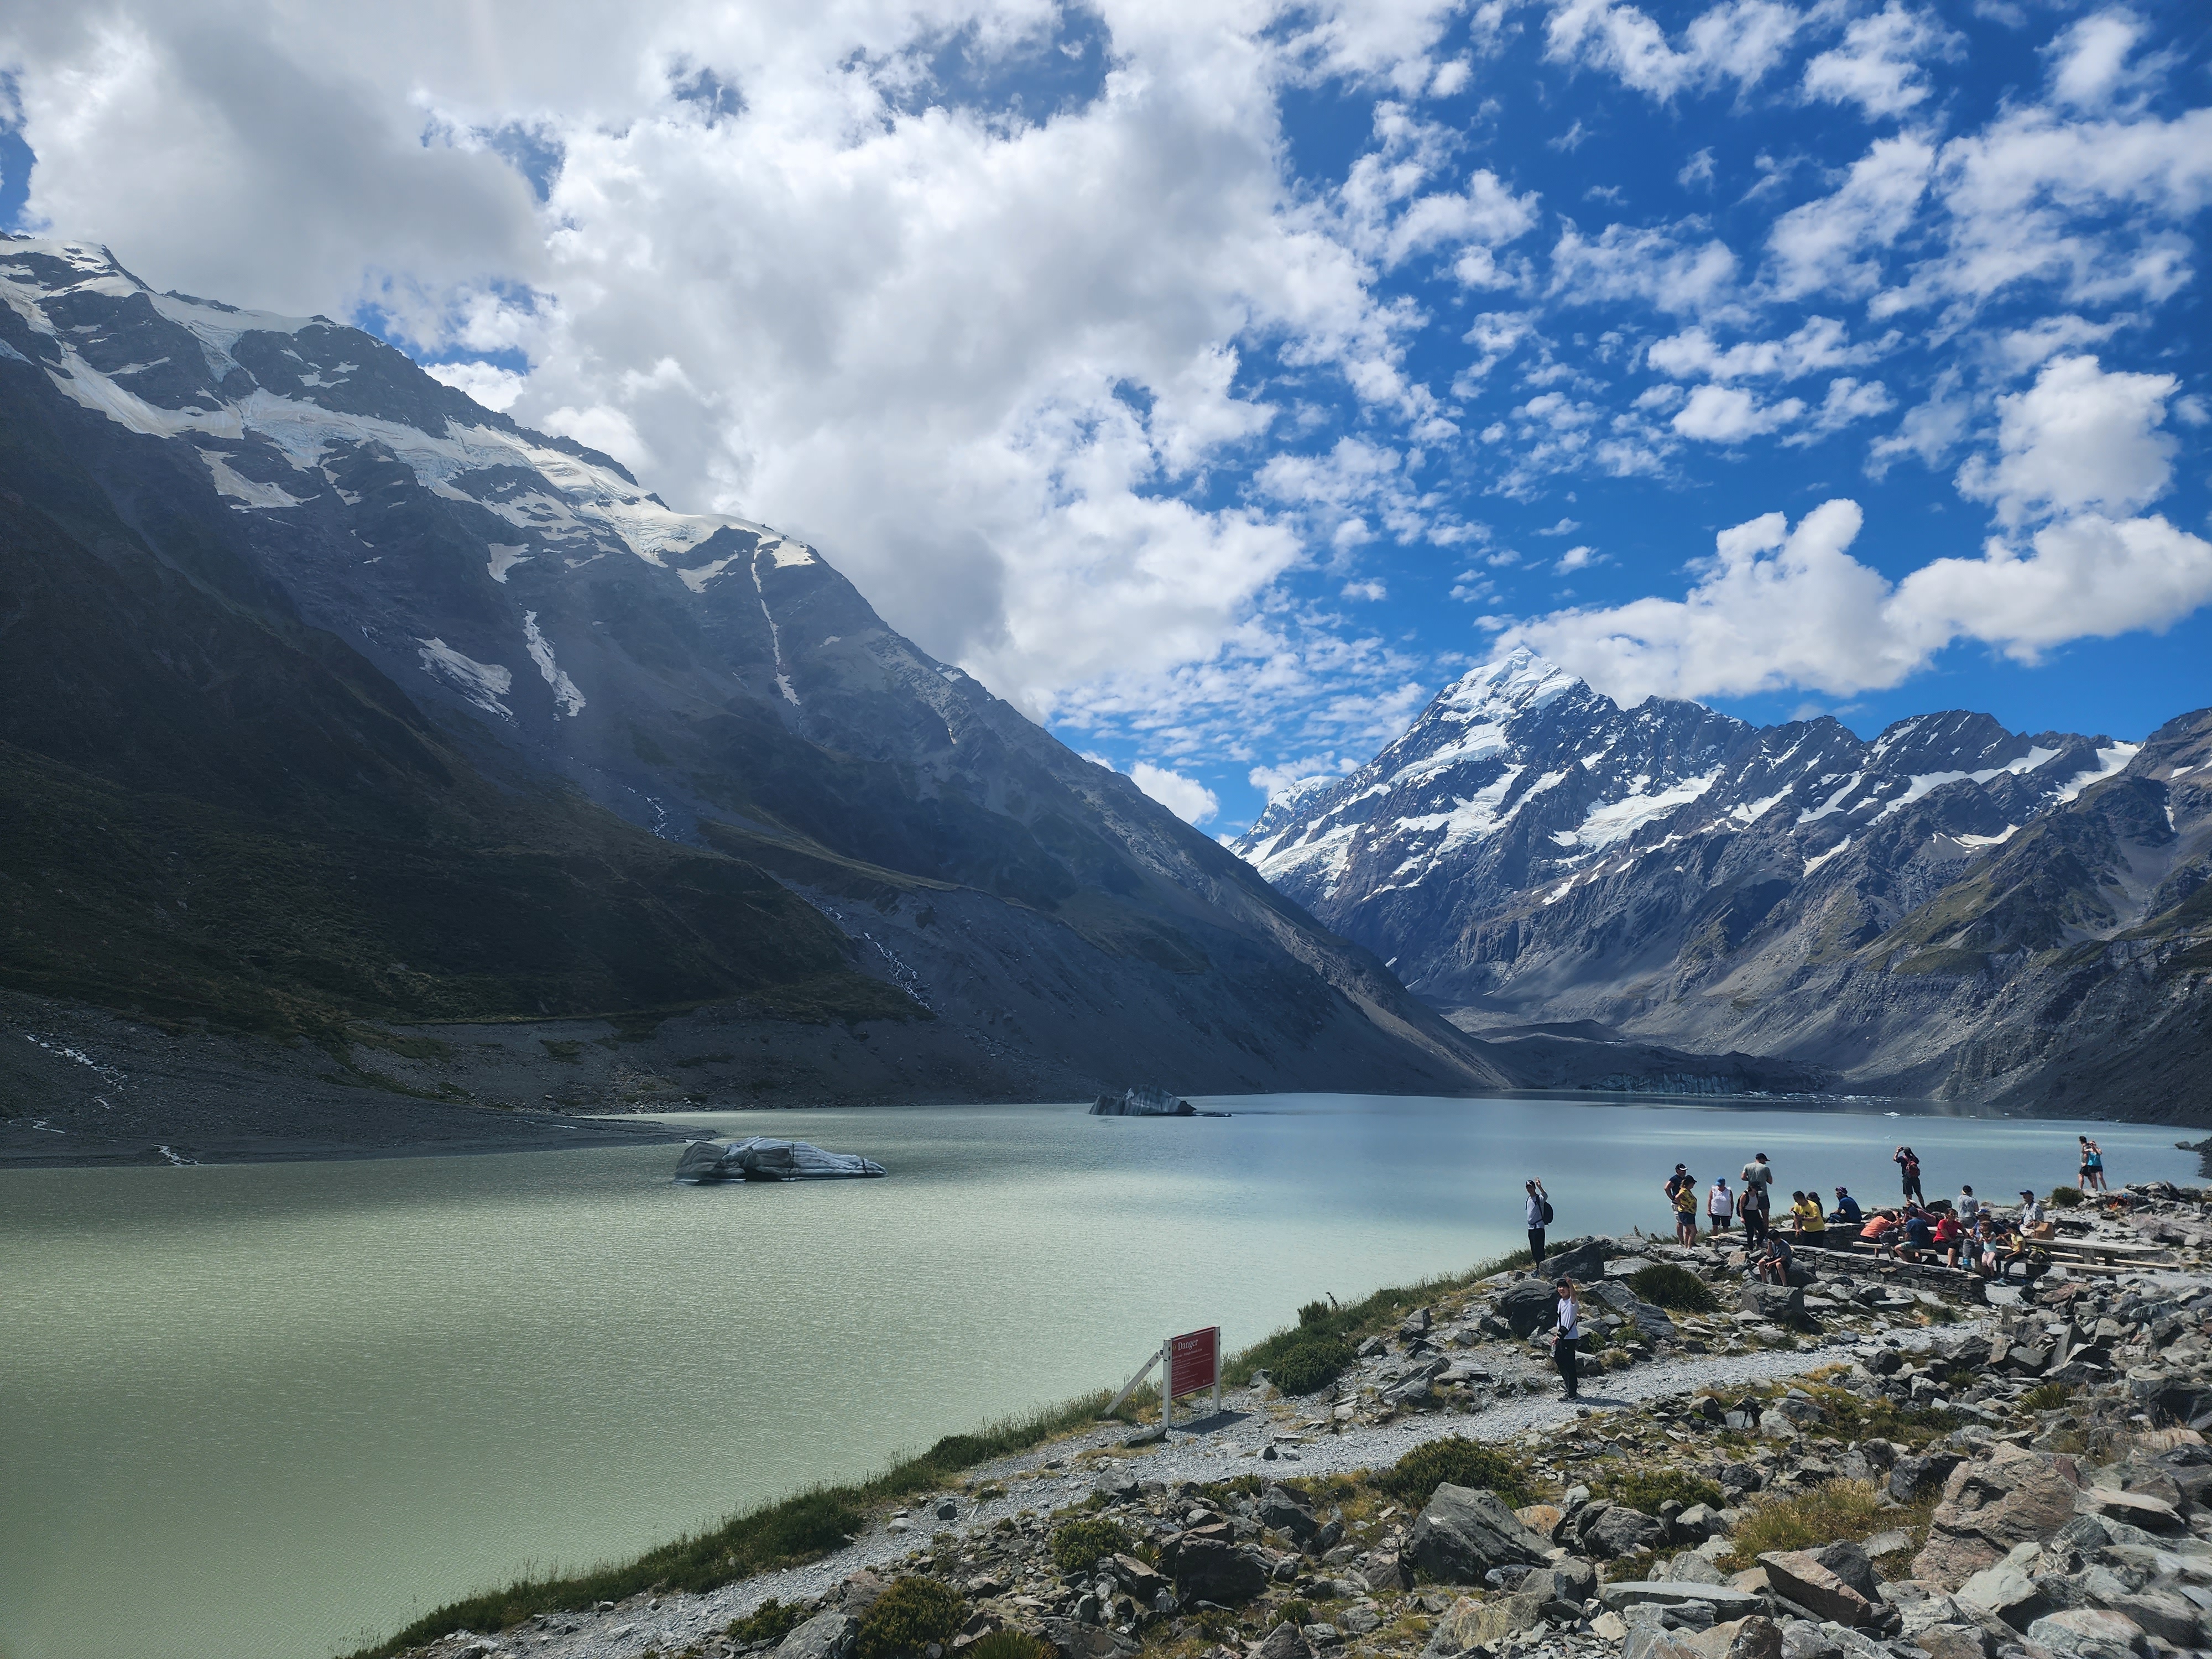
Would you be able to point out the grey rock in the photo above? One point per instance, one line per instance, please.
(1212, 1570)
(1733, 1604)
(1912, 1477)
(1284, 1641)
(2086, 1633)
(2008, 1589)
(1527, 1306)
(1616, 1531)
(1464, 1533)
(1850, 1562)
(825, 1636)
(1784, 1303)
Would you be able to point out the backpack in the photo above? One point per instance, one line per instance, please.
(1547, 1213)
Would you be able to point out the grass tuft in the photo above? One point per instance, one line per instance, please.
(1667, 1286)
(1647, 1489)
(1076, 1546)
(1008, 1645)
(911, 1614)
(1458, 1461)
(1831, 1512)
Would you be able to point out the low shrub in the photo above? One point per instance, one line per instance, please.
(1008, 1645)
(1647, 1489)
(1831, 1512)
(2046, 1396)
(1295, 1613)
(771, 1621)
(1078, 1544)
(907, 1616)
(1664, 1285)
(2065, 1198)
(1310, 1363)
(1458, 1461)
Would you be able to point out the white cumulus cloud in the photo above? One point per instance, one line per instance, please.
(1188, 799)
(2080, 437)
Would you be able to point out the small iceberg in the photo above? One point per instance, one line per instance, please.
(760, 1159)
(1146, 1101)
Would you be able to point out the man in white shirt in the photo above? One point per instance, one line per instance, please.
(2031, 1208)
(1720, 1205)
(1566, 1338)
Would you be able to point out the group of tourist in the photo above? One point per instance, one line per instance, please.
(1964, 1232)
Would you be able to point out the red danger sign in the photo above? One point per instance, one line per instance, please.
(1194, 1360)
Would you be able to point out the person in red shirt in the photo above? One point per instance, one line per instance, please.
(1950, 1236)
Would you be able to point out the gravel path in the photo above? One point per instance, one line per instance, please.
(1226, 1448)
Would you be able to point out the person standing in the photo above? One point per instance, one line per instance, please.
(1686, 1211)
(2093, 1166)
(1566, 1335)
(1720, 1206)
(1540, 1217)
(1756, 1201)
(1675, 1182)
(1908, 1173)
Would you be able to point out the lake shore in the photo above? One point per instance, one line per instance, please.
(1904, 1391)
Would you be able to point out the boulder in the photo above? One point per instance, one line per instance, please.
(2134, 1508)
(1139, 1580)
(1583, 1261)
(1796, 1577)
(2086, 1633)
(1784, 1303)
(1213, 1570)
(825, 1636)
(1471, 1624)
(1688, 1568)
(2015, 1496)
(2164, 1615)
(1568, 1579)
(1753, 1637)
(1615, 1530)
(1955, 1641)
(1850, 1562)
(1725, 1603)
(1700, 1521)
(1284, 1641)
(1912, 1477)
(1284, 1511)
(1070, 1639)
(2008, 1589)
(1528, 1305)
(1465, 1532)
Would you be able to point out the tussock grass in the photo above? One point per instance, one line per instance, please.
(1664, 1284)
(1455, 1461)
(1833, 1511)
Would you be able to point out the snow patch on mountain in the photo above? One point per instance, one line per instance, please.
(504, 559)
(2110, 762)
(566, 698)
(1618, 820)
(482, 683)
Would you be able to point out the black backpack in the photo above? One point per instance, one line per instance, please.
(1547, 1213)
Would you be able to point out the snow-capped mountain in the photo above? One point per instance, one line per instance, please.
(710, 680)
(1530, 852)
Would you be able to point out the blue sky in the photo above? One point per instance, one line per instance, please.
(1217, 385)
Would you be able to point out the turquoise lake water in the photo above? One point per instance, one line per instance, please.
(279, 1409)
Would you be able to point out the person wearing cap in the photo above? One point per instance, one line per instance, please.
(1675, 1182)
(2030, 1207)
(1756, 1205)
(1537, 1198)
(1908, 1172)
(1720, 1205)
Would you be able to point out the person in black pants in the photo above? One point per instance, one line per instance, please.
(1536, 1222)
(1908, 1173)
(1565, 1336)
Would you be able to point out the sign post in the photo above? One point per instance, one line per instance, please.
(1189, 1364)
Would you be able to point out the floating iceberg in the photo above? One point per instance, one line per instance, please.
(762, 1159)
(1145, 1102)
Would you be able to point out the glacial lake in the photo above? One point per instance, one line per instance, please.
(280, 1409)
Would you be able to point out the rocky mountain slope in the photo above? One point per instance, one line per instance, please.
(1951, 909)
(331, 695)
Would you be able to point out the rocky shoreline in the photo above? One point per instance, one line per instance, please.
(1893, 1462)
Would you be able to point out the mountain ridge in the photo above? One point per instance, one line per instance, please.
(1529, 852)
(557, 659)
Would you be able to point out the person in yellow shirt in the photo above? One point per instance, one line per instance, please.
(1808, 1222)
(1686, 1212)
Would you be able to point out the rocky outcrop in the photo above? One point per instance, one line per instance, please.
(2015, 1496)
(1464, 1533)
